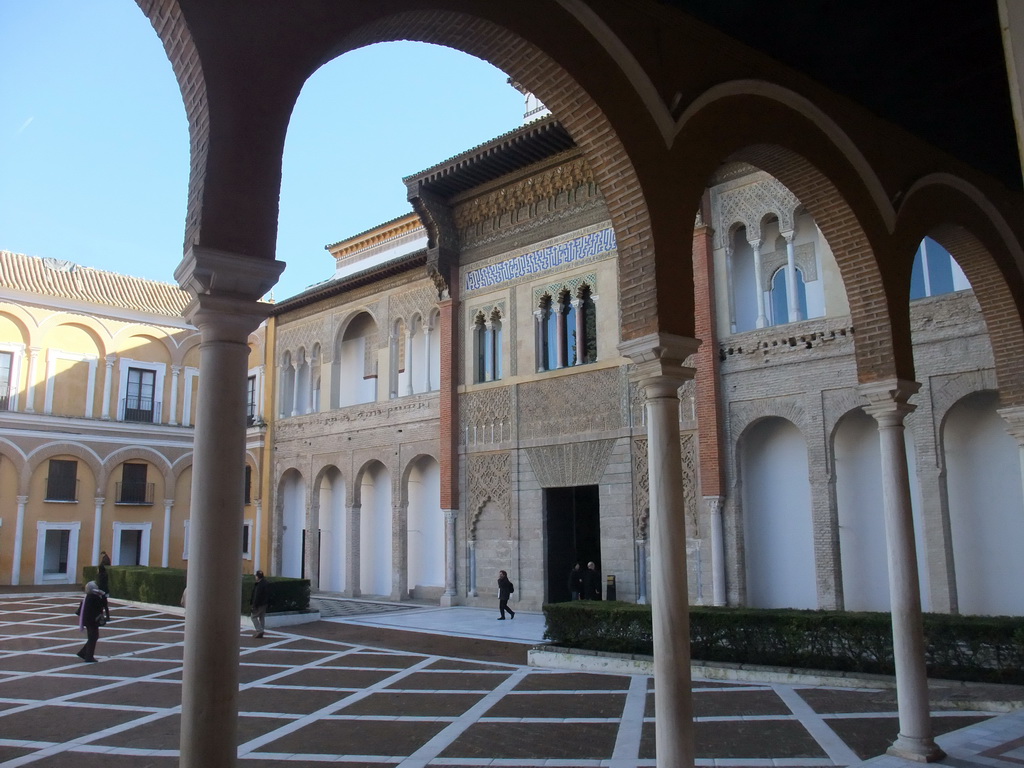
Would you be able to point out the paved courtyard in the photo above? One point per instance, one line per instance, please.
(352, 692)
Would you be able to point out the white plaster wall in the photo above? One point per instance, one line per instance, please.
(332, 533)
(375, 532)
(778, 539)
(353, 388)
(744, 287)
(435, 354)
(858, 464)
(293, 495)
(426, 525)
(985, 508)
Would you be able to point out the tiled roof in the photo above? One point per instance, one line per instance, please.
(67, 280)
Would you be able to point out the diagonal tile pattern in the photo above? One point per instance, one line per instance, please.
(356, 695)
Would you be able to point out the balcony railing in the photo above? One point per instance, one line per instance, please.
(140, 409)
(5, 402)
(139, 494)
(61, 489)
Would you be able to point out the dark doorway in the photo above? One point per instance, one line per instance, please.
(574, 535)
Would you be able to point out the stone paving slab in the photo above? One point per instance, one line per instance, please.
(358, 695)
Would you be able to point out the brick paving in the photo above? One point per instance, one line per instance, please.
(357, 695)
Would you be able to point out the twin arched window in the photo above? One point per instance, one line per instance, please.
(487, 343)
(566, 329)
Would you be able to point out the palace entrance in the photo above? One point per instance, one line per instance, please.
(573, 530)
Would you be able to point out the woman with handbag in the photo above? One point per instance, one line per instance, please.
(90, 616)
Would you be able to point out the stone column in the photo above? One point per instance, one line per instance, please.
(97, 529)
(19, 535)
(577, 304)
(426, 357)
(718, 593)
(471, 590)
(352, 546)
(33, 372)
(659, 371)
(108, 383)
(792, 293)
(561, 351)
(539, 339)
(166, 554)
(887, 403)
(408, 362)
(762, 319)
(172, 411)
(312, 551)
(226, 288)
(450, 517)
(731, 292)
(641, 563)
(400, 551)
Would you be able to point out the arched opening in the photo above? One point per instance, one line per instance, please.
(375, 534)
(355, 369)
(425, 528)
(777, 531)
(333, 539)
(983, 481)
(292, 503)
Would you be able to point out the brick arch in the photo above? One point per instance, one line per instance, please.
(777, 131)
(48, 451)
(407, 470)
(118, 457)
(962, 220)
(236, 161)
(356, 492)
(180, 465)
(321, 473)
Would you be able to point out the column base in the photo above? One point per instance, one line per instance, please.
(447, 601)
(918, 750)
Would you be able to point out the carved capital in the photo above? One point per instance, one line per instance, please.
(1014, 417)
(888, 401)
(207, 271)
(660, 361)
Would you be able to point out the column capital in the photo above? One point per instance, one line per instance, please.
(110, 360)
(1013, 415)
(659, 358)
(100, 500)
(888, 400)
(22, 500)
(450, 515)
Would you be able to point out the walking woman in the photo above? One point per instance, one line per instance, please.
(88, 619)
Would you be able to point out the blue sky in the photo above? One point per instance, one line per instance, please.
(94, 141)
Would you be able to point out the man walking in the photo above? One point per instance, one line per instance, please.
(258, 604)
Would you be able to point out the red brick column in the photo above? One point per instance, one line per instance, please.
(710, 414)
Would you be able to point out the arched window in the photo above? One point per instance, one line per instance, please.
(487, 346)
(780, 296)
(566, 329)
(935, 272)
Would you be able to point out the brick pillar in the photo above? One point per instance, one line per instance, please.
(449, 438)
(710, 410)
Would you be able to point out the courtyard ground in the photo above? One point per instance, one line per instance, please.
(360, 689)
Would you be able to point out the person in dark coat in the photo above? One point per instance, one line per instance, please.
(258, 604)
(591, 582)
(576, 582)
(103, 582)
(104, 558)
(505, 590)
(89, 613)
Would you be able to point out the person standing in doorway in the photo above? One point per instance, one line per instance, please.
(576, 583)
(505, 590)
(104, 558)
(258, 604)
(591, 582)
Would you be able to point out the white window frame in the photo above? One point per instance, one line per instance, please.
(119, 528)
(247, 529)
(51, 376)
(71, 577)
(191, 375)
(17, 355)
(160, 369)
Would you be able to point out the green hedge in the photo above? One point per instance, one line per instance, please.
(163, 586)
(976, 648)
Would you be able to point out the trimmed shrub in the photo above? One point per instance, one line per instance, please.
(163, 586)
(974, 648)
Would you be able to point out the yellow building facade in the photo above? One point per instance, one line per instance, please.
(99, 379)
